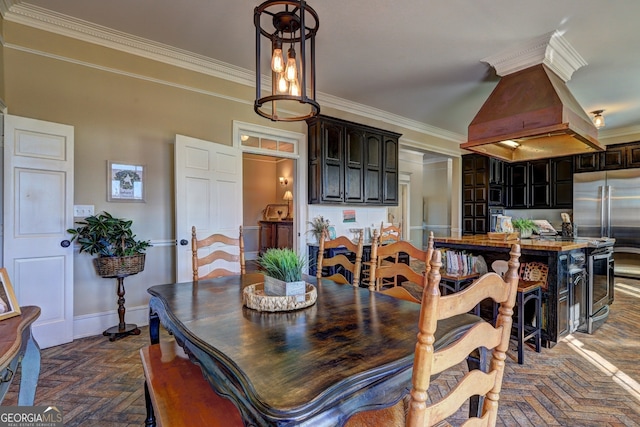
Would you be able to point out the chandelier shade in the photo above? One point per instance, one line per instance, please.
(287, 31)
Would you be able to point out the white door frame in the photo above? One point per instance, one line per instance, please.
(300, 181)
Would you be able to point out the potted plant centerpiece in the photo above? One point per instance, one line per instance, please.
(525, 226)
(112, 240)
(283, 272)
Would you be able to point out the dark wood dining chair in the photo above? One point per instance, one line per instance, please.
(340, 263)
(215, 253)
(435, 311)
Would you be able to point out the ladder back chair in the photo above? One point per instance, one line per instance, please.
(340, 262)
(217, 245)
(390, 233)
(387, 270)
(428, 362)
(437, 310)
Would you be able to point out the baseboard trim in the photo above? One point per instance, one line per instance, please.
(94, 324)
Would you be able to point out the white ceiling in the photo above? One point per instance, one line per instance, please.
(417, 59)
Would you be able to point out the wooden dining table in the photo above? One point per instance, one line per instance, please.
(350, 351)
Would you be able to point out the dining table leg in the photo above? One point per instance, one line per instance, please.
(154, 327)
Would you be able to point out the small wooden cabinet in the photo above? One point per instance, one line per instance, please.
(275, 234)
(351, 163)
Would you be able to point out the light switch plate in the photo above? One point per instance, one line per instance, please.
(82, 211)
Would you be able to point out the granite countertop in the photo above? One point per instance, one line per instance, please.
(530, 244)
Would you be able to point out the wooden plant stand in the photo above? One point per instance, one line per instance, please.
(123, 329)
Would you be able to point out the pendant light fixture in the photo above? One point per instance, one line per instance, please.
(598, 118)
(292, 26)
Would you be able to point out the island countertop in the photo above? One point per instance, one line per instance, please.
(529, 244)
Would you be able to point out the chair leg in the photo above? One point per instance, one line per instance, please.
(150, 421)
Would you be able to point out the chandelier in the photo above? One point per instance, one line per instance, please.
(291, 27)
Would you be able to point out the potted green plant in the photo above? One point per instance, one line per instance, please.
(118, 251)
(283, 272)
(525, 226)
(318, 226)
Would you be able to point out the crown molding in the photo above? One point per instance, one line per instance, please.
(630, 131)
(550, 49)
(47, 20)
(5, 5)
(44, 19)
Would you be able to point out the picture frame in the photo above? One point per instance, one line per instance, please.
(125, 182)
(8, 303)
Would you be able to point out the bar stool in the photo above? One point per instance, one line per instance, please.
(533, 277)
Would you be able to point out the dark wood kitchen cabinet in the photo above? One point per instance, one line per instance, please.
(475, 187)
(351, 163)
(518, 184)
(539, 184)
(616, 156)
(562, 182)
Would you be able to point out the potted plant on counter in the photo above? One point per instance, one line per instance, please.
(525, 226)
(283, 272)
(318, 226)
(118, 251)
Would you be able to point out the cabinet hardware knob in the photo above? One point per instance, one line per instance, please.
(184, 242)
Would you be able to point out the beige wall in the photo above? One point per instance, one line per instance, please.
(129, 109)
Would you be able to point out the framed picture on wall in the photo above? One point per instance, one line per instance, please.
(8, 303)
(125, 182)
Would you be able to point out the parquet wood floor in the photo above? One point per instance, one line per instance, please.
(585, 380)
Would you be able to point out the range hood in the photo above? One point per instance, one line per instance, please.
(534, 108)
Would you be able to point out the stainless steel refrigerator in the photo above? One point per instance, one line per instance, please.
(607, 204)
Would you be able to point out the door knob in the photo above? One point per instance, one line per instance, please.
(184, 242)
(65, 243)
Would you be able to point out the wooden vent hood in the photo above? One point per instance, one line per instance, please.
(534, 108)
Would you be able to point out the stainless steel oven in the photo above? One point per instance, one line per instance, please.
(600, 286)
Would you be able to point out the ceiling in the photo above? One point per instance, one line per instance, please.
(415, 59)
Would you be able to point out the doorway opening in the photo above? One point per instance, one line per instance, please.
(273, 187)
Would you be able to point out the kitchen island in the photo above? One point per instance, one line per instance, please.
(564, 298)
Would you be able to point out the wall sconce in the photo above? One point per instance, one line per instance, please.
(598, 119)
(288, 196)
(283, 181)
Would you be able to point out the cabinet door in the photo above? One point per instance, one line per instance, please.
(633, 156)
(284, 237)
(588, 162)
(496, 172)
(390, 171)
(373, 168)
(562, 182)
(332, 162)
(613, 158)
(518, 186)
(353, 166)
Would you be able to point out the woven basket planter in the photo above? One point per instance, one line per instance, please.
(119, 266)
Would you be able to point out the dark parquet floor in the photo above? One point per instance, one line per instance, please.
(585, 380)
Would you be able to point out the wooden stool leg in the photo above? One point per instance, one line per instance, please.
(521, 328)
(539, 319)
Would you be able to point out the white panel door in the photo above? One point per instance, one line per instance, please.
(208, 195)
(38, 210)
